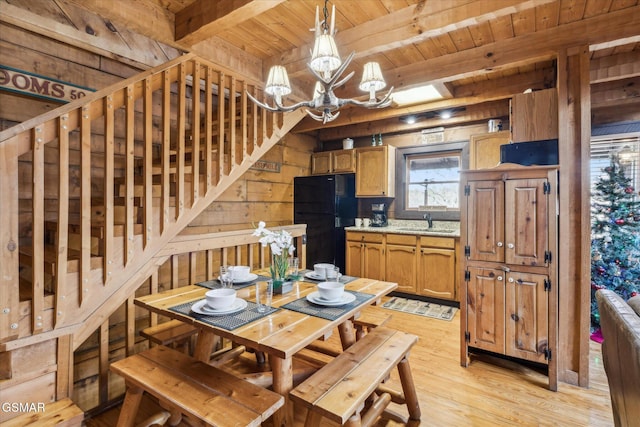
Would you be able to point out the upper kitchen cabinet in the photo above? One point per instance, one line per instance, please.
(484, 149)
(534, 116)
(338, 161)
(376, 171)
(321, 163)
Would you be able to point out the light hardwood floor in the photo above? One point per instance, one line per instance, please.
(490, 392)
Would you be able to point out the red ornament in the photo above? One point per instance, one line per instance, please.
(620, 221)
(600, 270)
(628, 190)
(633, 294)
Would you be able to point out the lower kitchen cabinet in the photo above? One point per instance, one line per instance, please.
(401, 259)
(437, 268)
(365, 255)
(422, 265)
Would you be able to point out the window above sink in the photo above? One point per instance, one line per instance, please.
(428, 181)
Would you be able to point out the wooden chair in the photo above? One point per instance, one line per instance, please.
(185, 386)
(349, 389)
(62, 413)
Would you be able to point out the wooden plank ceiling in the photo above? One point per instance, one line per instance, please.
(480, 51)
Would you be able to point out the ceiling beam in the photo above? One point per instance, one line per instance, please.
(69, 34)
(508, 53)
(515, 51)
(471, 114)
(470, 94)
(204, 19)
(410, 25)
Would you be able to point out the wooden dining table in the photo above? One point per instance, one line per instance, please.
(280, 335)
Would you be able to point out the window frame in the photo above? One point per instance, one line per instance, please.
(460, 148)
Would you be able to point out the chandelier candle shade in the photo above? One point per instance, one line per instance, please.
(327, 67)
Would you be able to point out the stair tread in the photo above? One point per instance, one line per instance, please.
(73, 259)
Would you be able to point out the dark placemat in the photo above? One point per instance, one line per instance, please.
(215, 283)
(229, 322)
(343, 279)
(302, 305)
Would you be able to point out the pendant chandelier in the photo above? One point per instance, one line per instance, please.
(327, 67)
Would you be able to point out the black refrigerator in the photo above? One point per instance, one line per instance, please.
(327, 204)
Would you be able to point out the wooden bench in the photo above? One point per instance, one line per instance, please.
(184, 386)
(174, 333)
(370, 317)
(62, 413)
(349, 390)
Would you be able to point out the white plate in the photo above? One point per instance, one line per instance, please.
(201, 307)
(347, 297)
(312, 275)
(250, 277)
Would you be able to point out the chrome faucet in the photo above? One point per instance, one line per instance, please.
(427, 216)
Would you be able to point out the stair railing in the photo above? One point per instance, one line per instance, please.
(92, 190)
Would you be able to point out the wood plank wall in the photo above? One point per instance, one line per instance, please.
(257, 195)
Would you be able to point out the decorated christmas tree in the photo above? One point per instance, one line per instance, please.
(615, 236)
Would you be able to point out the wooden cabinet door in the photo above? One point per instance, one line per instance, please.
(401, 267)
(534, 116)
(526, 228)
(484, 149)
(321, 163)
(527, 314)
(343, 161)
(354, 254)
(436, 273)
(375, 176)
(485, 309)
(373, 261)
(485, 218)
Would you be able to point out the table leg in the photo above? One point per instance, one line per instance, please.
(205, 344)
(347, 334)
(282, 370)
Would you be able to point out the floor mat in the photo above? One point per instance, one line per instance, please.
(421, 308)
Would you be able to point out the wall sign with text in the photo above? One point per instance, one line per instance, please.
(25, 83)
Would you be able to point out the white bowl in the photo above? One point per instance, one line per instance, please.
(219, 299)
(330, 291)
(321, 269)
(240, 272)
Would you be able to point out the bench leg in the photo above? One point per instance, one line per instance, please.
(354, 421)
(313, 419)
(347, 334)
(409, 389)
(360, 332)
(130, 406)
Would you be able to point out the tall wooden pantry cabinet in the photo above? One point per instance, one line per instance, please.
(508, 231)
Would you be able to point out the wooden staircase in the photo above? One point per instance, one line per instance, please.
(94, 190)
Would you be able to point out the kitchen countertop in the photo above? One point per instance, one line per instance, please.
(440, 228)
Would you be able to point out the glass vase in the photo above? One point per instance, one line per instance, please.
(279, 266)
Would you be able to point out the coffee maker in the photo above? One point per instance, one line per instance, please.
(378, 215)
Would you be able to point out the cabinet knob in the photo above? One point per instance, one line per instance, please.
(499, 278)
(510, 246)
(499, 244)
(510, 279)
